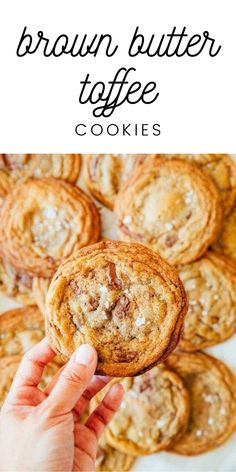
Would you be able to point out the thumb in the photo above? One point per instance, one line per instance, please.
(73, 380)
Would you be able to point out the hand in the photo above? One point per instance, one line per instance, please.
(40, 430)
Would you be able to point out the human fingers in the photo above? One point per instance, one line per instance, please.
(30, 370)
(73, 380)
(49, 387)
(103, 414)
(97, 383)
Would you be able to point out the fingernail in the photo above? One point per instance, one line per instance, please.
(85, 354)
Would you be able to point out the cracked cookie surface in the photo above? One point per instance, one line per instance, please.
(171, 206)
(211, 386)
(60, 166)
(5, 185)
(122, 298)
(210, 285)
(15, 285)
(44, 221)
(110, 459)
(221, 168)
(20, 329)
(40, 288)
(105, 174)
(226, 242)
(154, 413)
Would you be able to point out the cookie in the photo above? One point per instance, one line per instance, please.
(2, 163)
(210, 285)
(60, 166)
(122, 298)
(171, 206)
(44, 221)
(110, 460)
(15, 285)
(20, 329)
(5, 185)
(226, 242)
(40, 288)
(222, 169)
(154, 413)
(211, 386)
(8, 368)
(105, 174)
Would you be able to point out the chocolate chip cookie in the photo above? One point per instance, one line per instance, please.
(221, 168)
(44, 221)
(110, 459)
(211, 386)
(105, 174)
(154, 413)
(210, 285)
(20, 329)
(5, 185)
(60, 166)
(226, 241)
(122, 298)
(15, 285)
(40, 288)
(171, 206)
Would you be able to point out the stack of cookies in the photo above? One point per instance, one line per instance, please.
(148, 302)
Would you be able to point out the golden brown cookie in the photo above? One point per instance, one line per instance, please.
(15, 285)
(212, 389)
(5, 185)
(105, 174)
(8, 368)
(2, 163)
(226, 241)
(154, 413)
(122, 298)
(171, 206)
(40, 288)
(43, 222)
(210, 284)
(112, 460)
(222, 169)
(60, 166)
(20, 329)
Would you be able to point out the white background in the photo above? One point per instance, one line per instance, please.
(39, 96)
